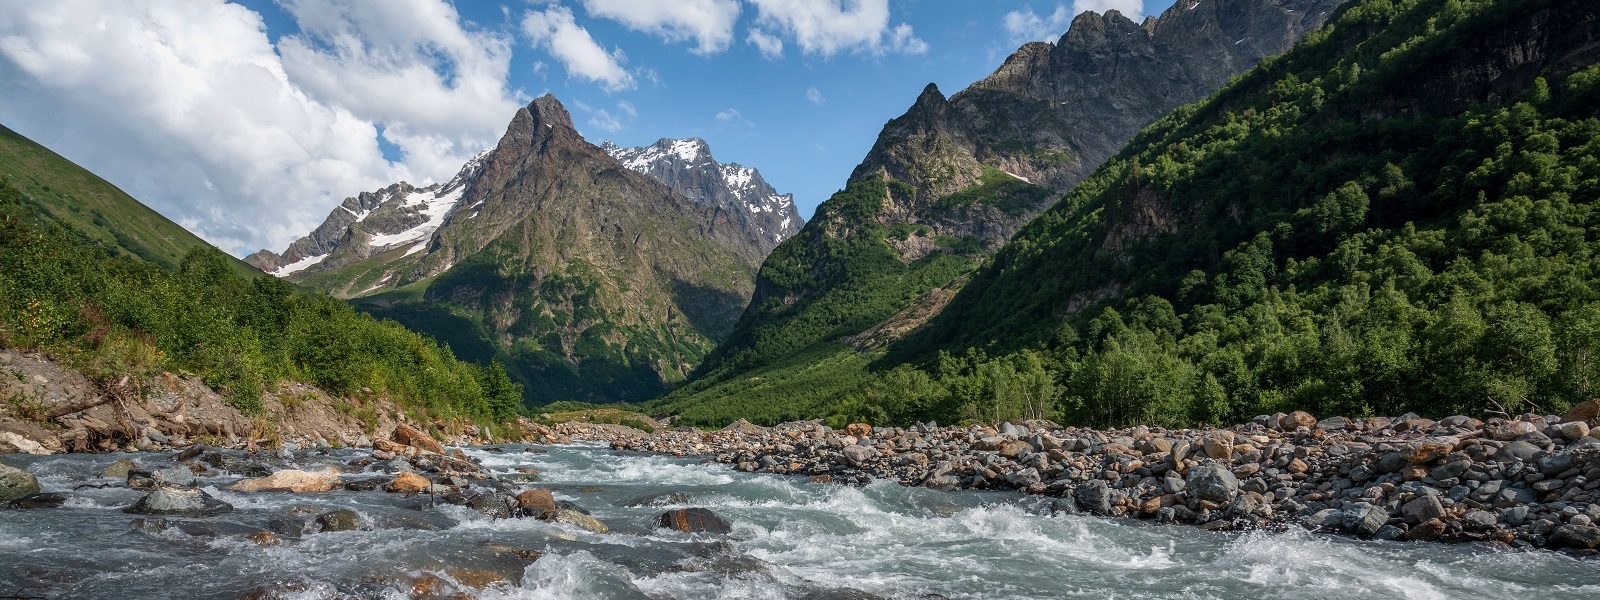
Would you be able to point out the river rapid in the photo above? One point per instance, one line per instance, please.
(791, 539)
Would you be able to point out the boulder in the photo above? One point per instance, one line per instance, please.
(1429, 450)
(1518, 450)
(856, 455)
(415, 438)
(574, 517)
(119, 469)
(693, 520)
(1295, 420)
(494, 505)
(342, 519)
(1582, 411)
(1582, 537)
(1218, 447)
(1574, 430)
(408, 483)
(1364, 519)
(1095, 496)
(34, 501)
(1423, 508)
(536, 502)
(1506, 431)
(1426, 531)
(178, 501)
(16, 483)
(858, 430)
(1014, 448)
(1212, 484)
(291, 480)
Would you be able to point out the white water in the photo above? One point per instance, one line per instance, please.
(791, 539)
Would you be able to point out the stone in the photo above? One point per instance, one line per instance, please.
(1425, 507)
(1218, 448)
(342, 519)
(289, 480)
(1582, 412)
(1295, 420)
(1555, 464)
(1479, 519)
(1392, 462)
(415, 438)
(37, 501)
(1334, 424)
(1429, 450)
(1013, 430)
(536, 502)
(858, 430)
(1511, 496)
(1506, 431)
(693, 520)
(494, 505)
(856, 455)
(408, 483)
(1364, 519)
(178, 501)
(1517, 450)
(1574, 430)
(1094, 496)
(1327, 518)
(1024, 478)
(1582, 537)
(1427, 531)
(1451, 469)
(1014, 448)
(16, 483)
(580, 520)
(1212, 484)
(1297, 466)
(119, 469)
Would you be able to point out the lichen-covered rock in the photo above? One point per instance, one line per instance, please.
(16, 483)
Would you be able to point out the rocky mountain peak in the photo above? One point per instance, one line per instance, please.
(547, 110)
(764, 216)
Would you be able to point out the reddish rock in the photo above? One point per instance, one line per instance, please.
(415, 438)
(858, 429)
(298, 482)
(1295, 420)
(536, 502)
(408, 483)
(694, 520)
(1583, 411)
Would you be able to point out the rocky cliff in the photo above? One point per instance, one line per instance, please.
(686, 166)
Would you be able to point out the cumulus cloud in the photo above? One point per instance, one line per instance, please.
(828, 27)
(1024, 25)
(814, 96)
(555, 30)
(770, 45)
(708, 22)
(189, 107)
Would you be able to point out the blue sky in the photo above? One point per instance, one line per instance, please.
(248, 121)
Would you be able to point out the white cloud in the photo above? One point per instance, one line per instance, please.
(1026, 26)
(189, 107)
(770, 45)
(708, 22)
(555, 30)
(731, 119)
(627, 107)
(605, 121)
(828, 27)
(814, 96)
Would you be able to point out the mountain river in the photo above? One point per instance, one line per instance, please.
(791, 539)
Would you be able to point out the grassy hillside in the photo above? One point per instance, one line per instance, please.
(92, 207)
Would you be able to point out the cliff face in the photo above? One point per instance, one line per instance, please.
(687, 166)
(984, 161)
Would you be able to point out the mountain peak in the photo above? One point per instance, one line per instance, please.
(547, 110)
(687, 166)
(930, 94)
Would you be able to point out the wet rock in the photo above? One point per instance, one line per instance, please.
(119, 469)
(1094, 496)
(408, 483)
(1425, 507)
(370, 484)
(293, 481)
(494, 505)
(1212, 484)
(190, 453)
(662, 499)
(415, 438)
(1426, 531)
(16, 483)
(178, 501)
(287, 526)
(342, 519)
(536, 502)
(36, 501)
(1582, 537)
(693, 520)
(579, 519)
(1364, 519)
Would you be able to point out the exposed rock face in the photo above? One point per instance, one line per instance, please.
(589, 280)
(765, 216)
(1053, 112)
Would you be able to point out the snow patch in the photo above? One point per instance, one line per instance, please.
(299, 265)
(434, 204)
(1019, 177)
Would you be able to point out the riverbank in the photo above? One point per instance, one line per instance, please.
(1525, 482)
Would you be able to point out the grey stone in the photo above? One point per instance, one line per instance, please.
(494, 505)
(1364, 519)
(1510, 497)
(1514, 516)
(342, 519)
(1213, 484)
(1575, 536)
(1554, 464)
(1451, 469)
(1392, 462)
(1517, 450)
(178, 501)
(119, 469)
(1094, 496)
(16, 483)
(856, 456)
(1480, 519)
(1424, 507)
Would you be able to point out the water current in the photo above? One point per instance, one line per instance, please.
(791, 539)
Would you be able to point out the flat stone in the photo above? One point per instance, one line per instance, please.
(178, 501)
(289, 480)
(579, 519)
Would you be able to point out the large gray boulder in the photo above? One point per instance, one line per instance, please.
(1094, 496)
(16, 483)
(178, 501)
(1212, 483)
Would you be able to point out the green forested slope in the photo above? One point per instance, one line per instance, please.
(1399, 214)
(112, 316)
(95, 209)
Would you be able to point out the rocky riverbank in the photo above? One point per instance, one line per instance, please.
(49, 408)
(1530, 481)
